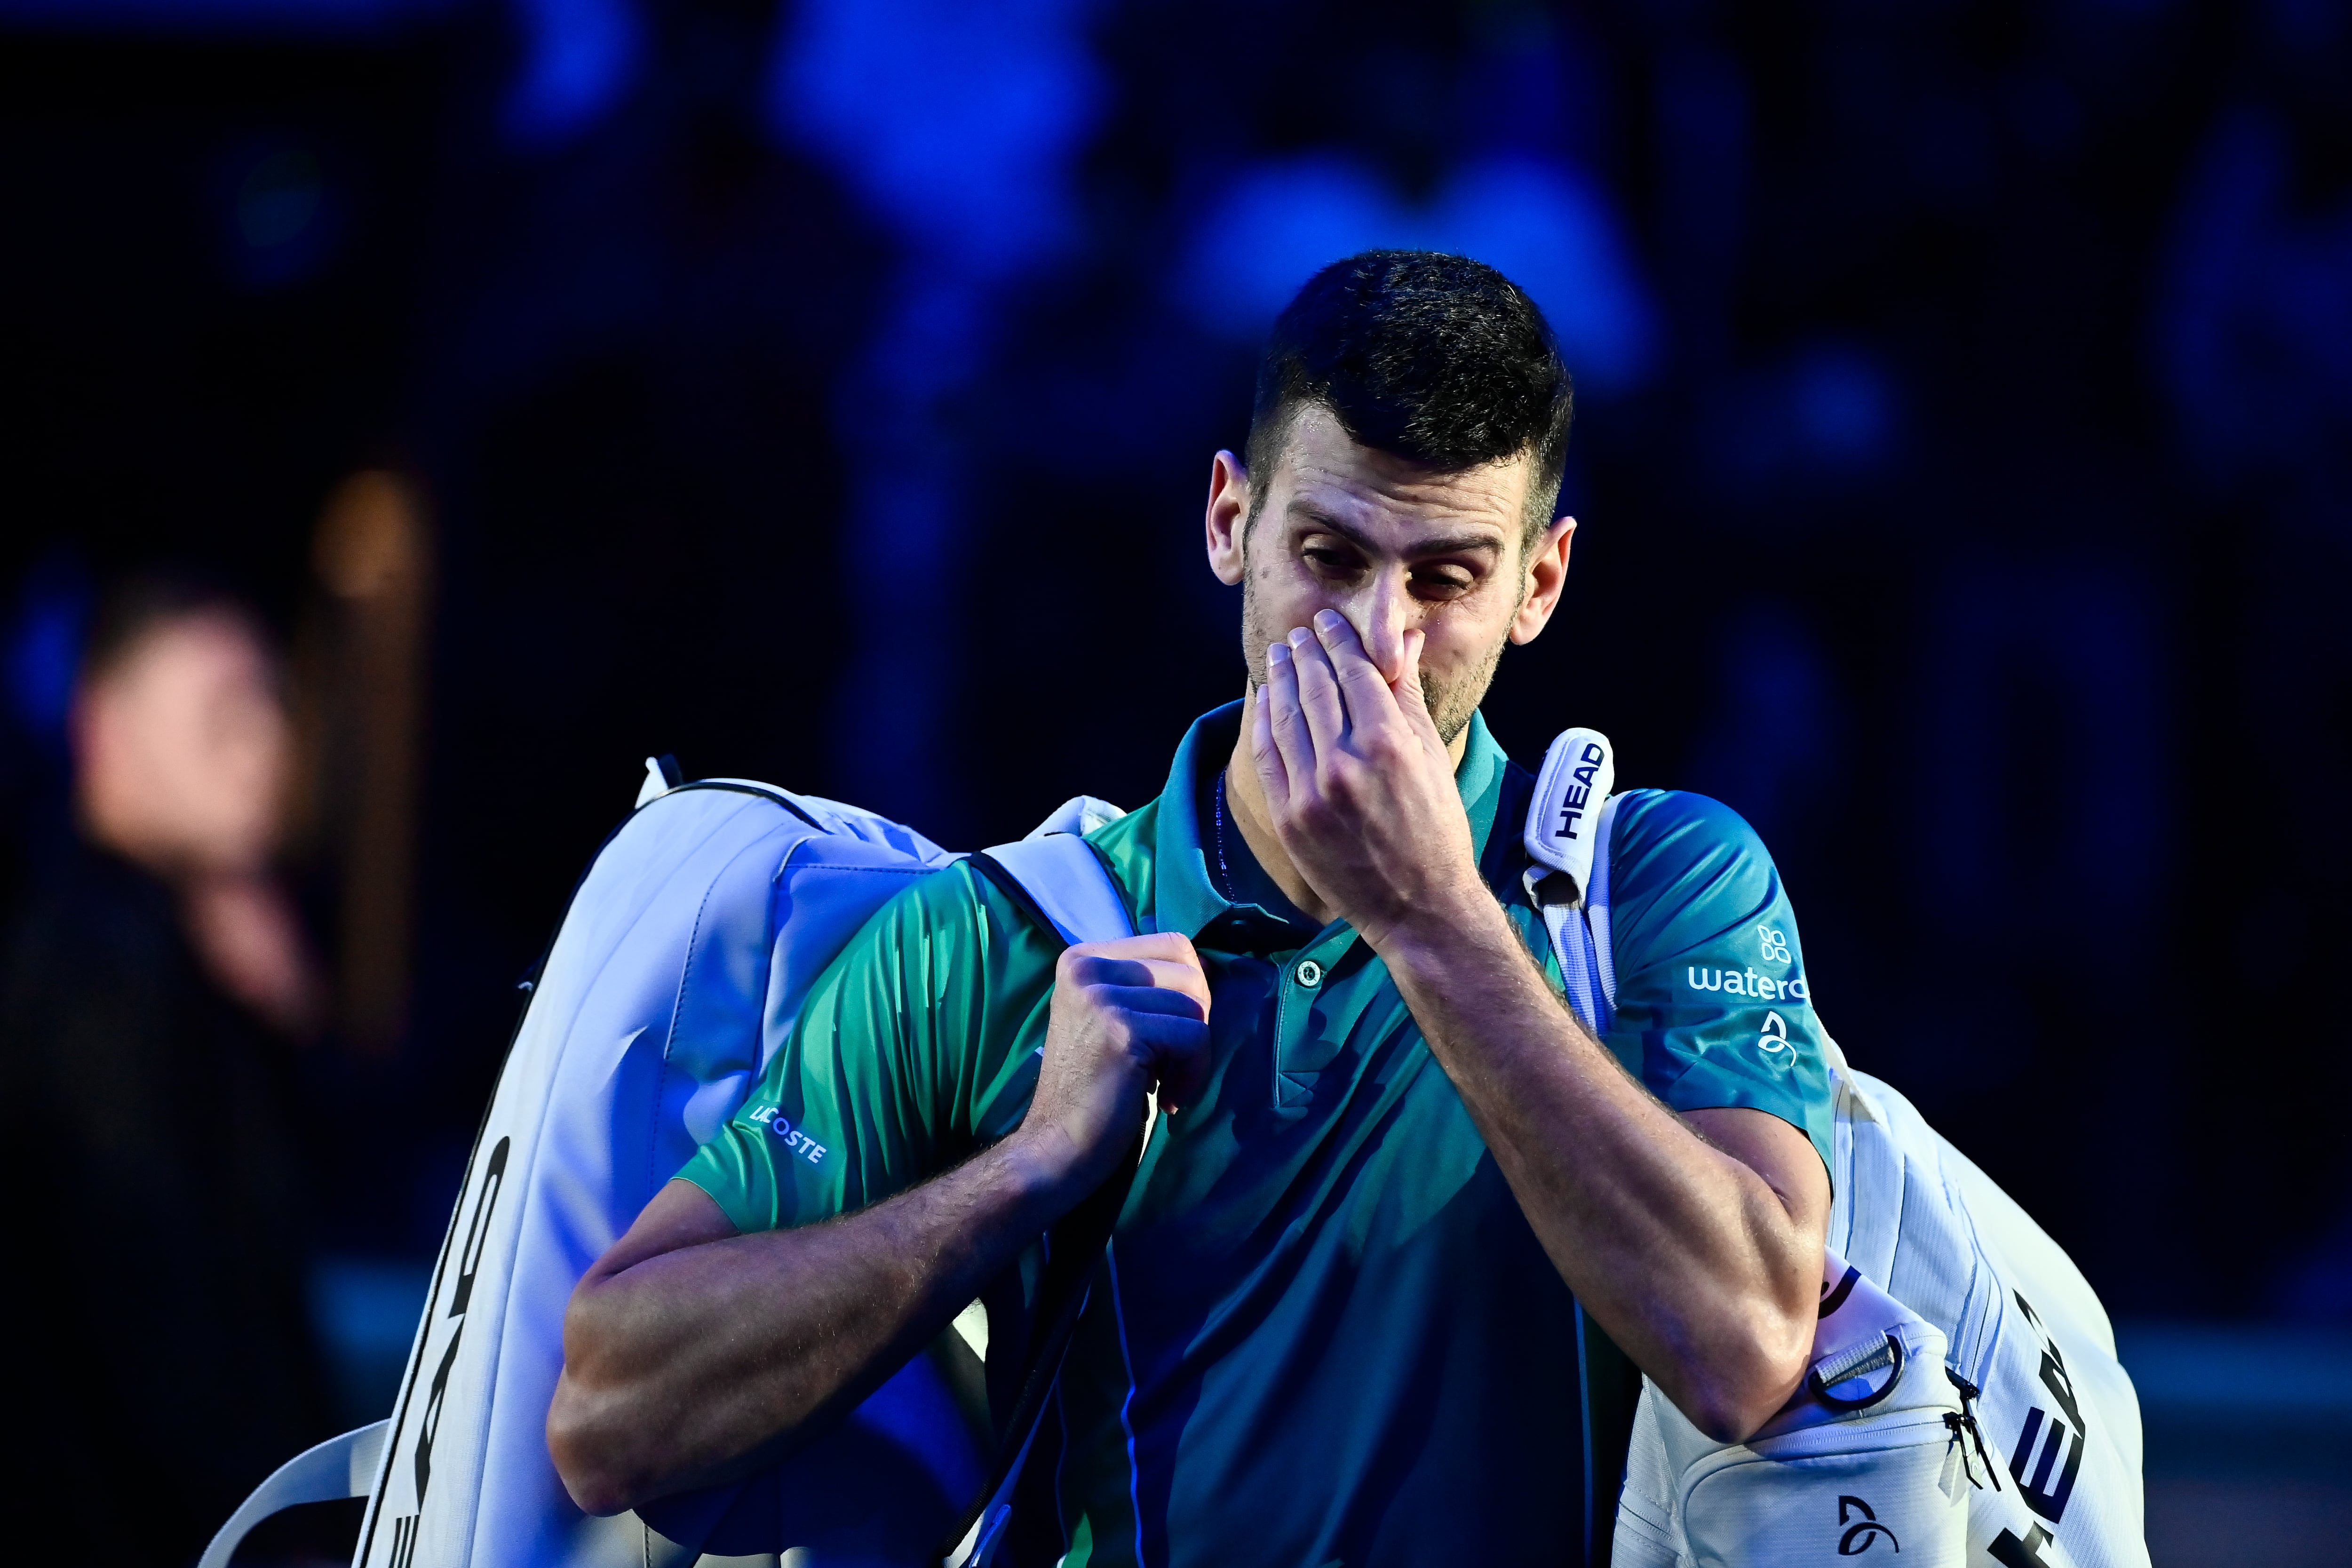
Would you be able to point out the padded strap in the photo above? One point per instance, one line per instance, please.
(338, 1468)
(1596, 906)
(1061, 884)
(1563, 827)
(1068, 883)
(1580, 928)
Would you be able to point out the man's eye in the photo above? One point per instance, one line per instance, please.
(1441, 585)
(1330, 560)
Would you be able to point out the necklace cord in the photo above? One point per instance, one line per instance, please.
(1224, 872)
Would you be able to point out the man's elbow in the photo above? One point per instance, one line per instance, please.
(588, 1452)
(1739, 1383)
(592, 1426)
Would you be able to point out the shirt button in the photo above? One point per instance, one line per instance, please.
(1309, 973)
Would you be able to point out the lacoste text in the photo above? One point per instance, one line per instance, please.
(799, 1143)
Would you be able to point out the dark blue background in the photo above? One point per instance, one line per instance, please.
(826, 395)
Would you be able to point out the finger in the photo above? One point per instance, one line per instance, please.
(1163, 975)
(1369, 696)
(1176, 979)
(1291, 737)
(1181, 1058)
(1165, 960)
(1175, 1051)
(1318, 692)
(1273, 778)
(1148, 1001)
(1168, 946)
(1187, 979)
(1411, 697)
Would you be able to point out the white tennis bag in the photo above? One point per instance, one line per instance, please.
(1875, 1433)
(679, 968)
(1955, 1268)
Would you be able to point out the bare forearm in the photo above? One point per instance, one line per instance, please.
(691, 1352)
(690, 1365)
(1686, 1255)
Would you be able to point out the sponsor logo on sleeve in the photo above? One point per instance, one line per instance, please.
(798, 1141)
(1748, 982)
(1773, 947)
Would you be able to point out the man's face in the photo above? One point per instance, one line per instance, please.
(183, 748)
(1392, 547)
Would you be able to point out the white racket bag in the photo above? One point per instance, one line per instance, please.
(679, 969)
(2046, 1413)
(1869, 1454)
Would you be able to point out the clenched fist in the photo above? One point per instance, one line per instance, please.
(1128, 1016)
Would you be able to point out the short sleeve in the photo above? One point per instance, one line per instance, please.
(913, 1048)
(1712, 998)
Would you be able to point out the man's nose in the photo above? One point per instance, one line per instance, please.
(1383, 611)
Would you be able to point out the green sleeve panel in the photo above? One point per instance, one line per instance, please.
(1712, 999)
(917, 1047)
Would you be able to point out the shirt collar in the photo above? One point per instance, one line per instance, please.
(1186, 899)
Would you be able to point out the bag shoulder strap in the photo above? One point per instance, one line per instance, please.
(1570, 818)
(1062, 885)
(338, 1468)
(1563, 818)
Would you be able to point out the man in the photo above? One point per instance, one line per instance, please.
(150, 989)
(1335, 1324)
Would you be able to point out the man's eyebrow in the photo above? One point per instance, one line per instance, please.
(1445, 544)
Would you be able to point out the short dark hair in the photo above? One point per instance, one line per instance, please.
(137, 607)
(1438, 359)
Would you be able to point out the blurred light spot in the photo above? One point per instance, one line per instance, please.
(1548, 230)
(2253, 324)
(365, 1311)
(283, 214)
(955, 121)
(1828, 414)
(579, 57)
(955, 124)
(371, 539)
(45, 649)
(281, 197)
(1777, 737)
(1842, 405)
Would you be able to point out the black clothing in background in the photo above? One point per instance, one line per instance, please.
(165, 1360)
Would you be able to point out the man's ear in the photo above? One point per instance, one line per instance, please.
(1546, 575)
(1228, 517)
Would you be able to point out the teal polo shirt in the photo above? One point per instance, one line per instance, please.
(1324, 1333)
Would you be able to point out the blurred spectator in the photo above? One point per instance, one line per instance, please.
(154, 985)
